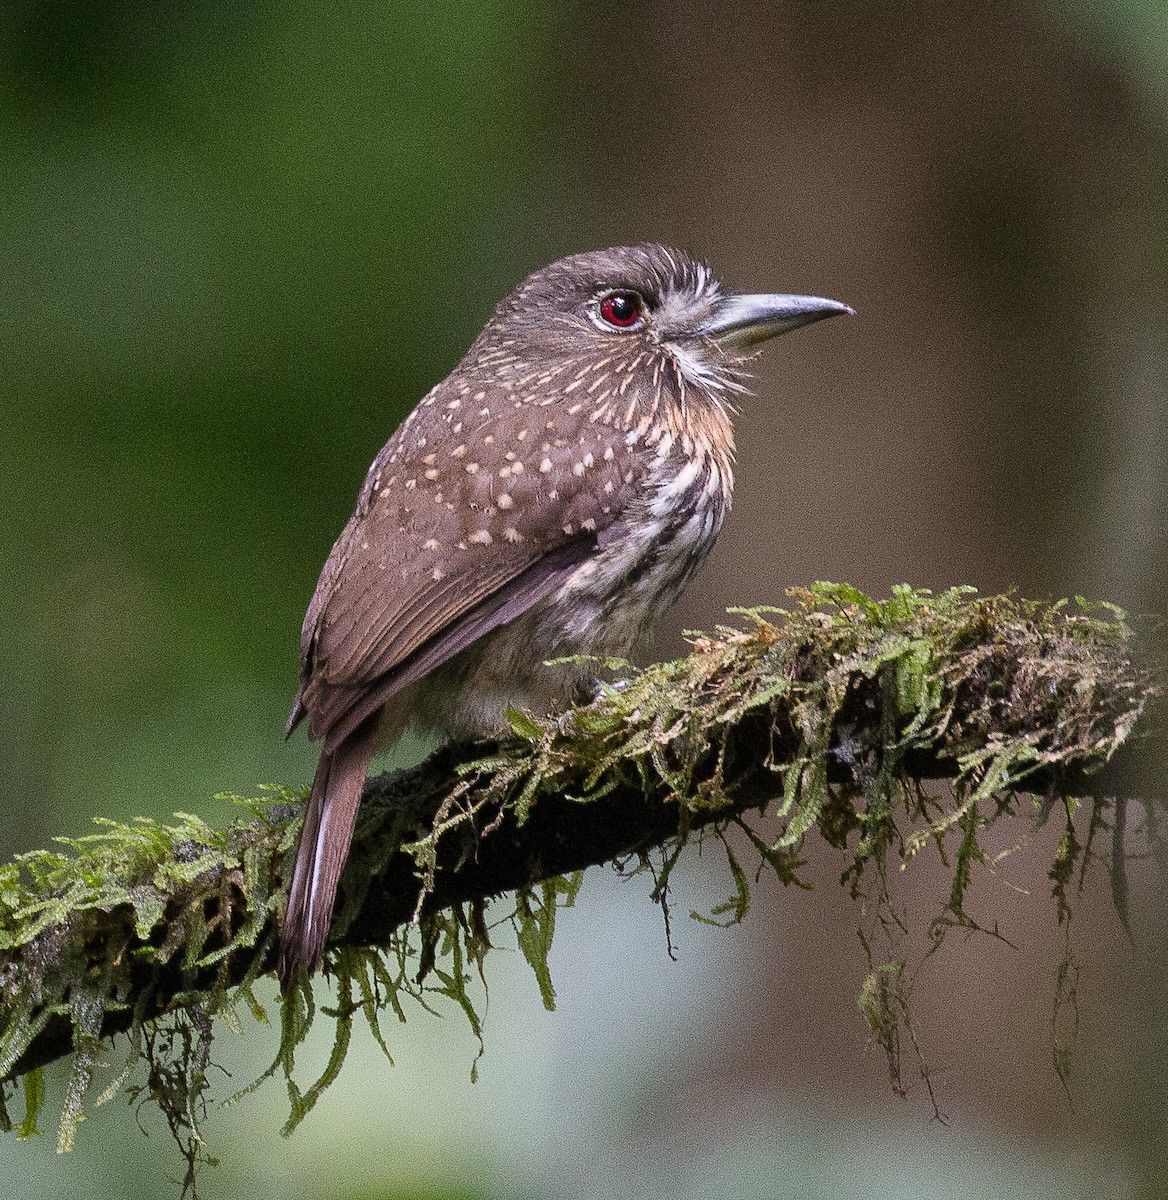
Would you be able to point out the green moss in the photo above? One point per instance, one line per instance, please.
(817, 719)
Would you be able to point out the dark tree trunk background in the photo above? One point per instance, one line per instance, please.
(998, 217)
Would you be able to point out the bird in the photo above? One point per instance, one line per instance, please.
(548, 499)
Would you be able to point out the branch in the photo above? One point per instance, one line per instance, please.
(822, 720)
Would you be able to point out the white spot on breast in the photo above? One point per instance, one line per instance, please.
(545, 465)
(472, 468)
(481, 537)
(503, 500)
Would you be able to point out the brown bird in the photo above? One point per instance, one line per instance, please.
(550, 497)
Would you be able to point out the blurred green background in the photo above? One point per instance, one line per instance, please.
(239, 241)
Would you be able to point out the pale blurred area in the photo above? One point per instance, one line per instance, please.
(241, 241)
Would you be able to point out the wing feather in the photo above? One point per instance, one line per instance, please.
(352, 706)
(452, 536)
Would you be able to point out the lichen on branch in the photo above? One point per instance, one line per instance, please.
(820, 719)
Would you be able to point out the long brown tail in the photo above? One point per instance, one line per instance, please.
(320, 855)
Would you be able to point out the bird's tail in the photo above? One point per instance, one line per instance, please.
(329, 818)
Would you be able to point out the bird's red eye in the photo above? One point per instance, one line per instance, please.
(622, 309)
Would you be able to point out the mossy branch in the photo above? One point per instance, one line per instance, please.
(824, 719)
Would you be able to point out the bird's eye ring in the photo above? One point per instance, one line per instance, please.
(622, 310)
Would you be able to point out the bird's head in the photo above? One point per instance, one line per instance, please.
(603, 304)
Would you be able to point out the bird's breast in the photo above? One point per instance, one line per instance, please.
(646, 558)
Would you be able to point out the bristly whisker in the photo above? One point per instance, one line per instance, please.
(714, 372)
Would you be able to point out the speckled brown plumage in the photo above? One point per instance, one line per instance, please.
(550, 497)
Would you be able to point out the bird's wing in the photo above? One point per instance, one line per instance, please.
(454, 534)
